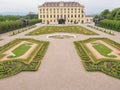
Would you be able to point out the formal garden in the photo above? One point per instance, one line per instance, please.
(21, 55)
(65, 29)
(97, 54)
(100, 54)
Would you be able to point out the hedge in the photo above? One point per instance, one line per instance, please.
(110, 24)
(13, 25)
(34, 21)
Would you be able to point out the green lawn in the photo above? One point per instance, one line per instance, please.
(21, 50)
(66, 29)
(103, 50)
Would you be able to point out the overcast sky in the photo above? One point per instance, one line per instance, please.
(25, 6)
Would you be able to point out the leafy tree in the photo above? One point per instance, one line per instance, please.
(31, 15)
(9, 18)
(114, 12)
(105, 13)
(117, 16)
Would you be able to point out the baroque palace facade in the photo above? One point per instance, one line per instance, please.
(62, 12)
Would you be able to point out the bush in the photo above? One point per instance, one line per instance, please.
(110, 24)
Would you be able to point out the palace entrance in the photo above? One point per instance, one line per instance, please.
(61, 21)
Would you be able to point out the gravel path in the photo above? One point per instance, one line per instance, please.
(61, 69)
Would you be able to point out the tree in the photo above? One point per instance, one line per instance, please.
(105, 13)
(31, 15)
(117, 16)
(114, 12)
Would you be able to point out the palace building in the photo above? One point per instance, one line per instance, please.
(62, 13)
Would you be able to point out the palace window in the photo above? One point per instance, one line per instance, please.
(50, 16)
(64, 16)
(75, 16)
(54, 16)
(61, 16)
(82, 15)
(43, 16)
(47, 16)
(71, 16)
(68, 16)
(40, 16)
(82, 11)
(57, 16)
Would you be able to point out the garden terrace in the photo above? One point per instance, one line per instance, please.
(108, 59)
(65, 29)
(21, 55)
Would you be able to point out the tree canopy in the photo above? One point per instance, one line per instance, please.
(107, 14)
(30, 15)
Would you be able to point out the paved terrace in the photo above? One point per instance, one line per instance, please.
(61, 68)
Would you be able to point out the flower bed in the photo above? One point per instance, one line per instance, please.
(108, 66)
(15, 66)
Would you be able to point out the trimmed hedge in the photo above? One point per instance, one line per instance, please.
(34, 21)
(10, 25)
(108, 66)
(110, 24)
(12, 67)
(13, 25)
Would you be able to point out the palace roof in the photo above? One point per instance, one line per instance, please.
(55, 4)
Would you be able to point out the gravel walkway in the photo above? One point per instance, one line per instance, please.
(61, 68)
